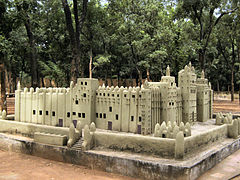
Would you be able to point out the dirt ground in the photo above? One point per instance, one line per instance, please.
(20, 166)
(24, 167)
(226, 106)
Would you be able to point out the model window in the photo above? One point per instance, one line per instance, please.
(83, 115)
(125, 95)
(100, 94)
(34, 112)
(76, 101)
(108, 94)
(68, 114)
(79, 114)
(96, 115)
(110, 109)
(104, 116)
(116, 116)
(85, 83)
(140, 119)
(74, 113)
(100, 115)
(169, 103)
(53, 113)
(173, 103)
(84, 95)
(112, 95)
(140, 95)
(47, 113)
(40, 112)
(117, 95)
(133, 96)
(132, 118)
(103, 94)
(81, 83)
(96, 94)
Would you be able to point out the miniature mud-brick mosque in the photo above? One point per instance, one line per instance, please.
(133, 109)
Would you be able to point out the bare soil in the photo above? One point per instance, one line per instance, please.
(226, 106)
(21, 166)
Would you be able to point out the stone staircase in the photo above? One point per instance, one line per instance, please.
(78, 145)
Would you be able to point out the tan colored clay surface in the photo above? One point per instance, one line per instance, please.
(20, 166)
(218, 106)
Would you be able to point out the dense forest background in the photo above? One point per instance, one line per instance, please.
(124, 39)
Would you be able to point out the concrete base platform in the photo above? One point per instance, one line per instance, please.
(126, 163)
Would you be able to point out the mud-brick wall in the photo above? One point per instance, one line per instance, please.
(29, 129)
(192, 143)
(135, 143)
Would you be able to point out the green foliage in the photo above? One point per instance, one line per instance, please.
(124, 38)
(53, 71)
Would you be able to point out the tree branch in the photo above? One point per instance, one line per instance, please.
(84, 13)
(215, 23)
(77, 25)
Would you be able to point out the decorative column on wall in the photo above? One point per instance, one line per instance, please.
(44, 105)
(37, 107)
(30, 105)
(18, 102)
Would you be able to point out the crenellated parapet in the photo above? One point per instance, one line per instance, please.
(171, 129)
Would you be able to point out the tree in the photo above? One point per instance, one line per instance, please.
(74, 34)
(26, 14)
(205, 15)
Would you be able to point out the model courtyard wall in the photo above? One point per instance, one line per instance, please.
(163, 147)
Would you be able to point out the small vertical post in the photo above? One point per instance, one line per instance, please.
(179, 146)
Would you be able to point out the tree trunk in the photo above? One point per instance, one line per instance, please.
(201, 58)
(90, 64)
(75, 35)
(14, 82)
(106, 81)
(140, 77)
(33, 53)
(3, 101)
(232, 69)
(148, 75)
(118, 79)
(10, 83)
(7, 82)
(218, 89)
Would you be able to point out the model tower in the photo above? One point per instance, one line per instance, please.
(187, 83)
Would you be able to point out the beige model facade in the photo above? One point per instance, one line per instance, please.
(133, 109)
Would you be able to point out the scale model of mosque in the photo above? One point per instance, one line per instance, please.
(133, 109)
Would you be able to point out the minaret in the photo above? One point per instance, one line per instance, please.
(187, 83)
(168, 71)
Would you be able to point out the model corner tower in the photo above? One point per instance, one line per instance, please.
(204, 97)
(187, 83)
